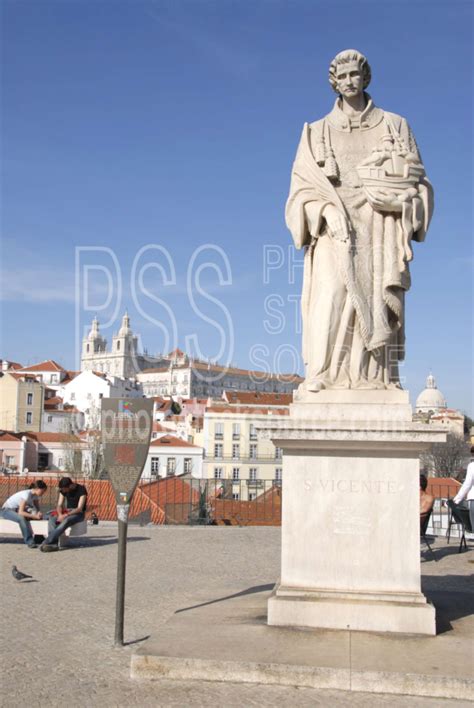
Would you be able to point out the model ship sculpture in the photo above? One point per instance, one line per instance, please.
(391, 168)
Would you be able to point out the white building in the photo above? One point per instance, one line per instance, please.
(234, 451)
(86, 391)
(50, 373)
(169, 456)
(60, 418)
(187, 378)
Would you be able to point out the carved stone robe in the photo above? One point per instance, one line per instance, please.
(353, 290)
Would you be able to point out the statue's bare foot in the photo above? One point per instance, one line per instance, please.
(315, 385)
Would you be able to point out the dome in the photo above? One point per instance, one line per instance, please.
(431, 398)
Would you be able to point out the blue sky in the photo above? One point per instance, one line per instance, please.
(175, 124)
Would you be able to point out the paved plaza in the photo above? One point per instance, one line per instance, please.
(57, 631)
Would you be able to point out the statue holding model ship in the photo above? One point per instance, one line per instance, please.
(358, 198)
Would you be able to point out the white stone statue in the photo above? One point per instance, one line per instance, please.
(358, 197)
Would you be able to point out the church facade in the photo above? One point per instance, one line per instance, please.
(122, 359)
(174, 374)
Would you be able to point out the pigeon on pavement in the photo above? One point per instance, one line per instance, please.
(18, 575)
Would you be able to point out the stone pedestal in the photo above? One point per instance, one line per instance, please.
(350, 515)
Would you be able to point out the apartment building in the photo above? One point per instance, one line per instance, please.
(248, 466)
(21, 402)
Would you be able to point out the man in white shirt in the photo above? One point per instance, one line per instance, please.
(20, 507)
(467, 490)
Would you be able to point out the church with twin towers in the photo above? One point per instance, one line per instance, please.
(173, 374)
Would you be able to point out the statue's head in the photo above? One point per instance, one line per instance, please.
(349, 59)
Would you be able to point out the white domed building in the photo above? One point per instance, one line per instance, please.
(430, 400)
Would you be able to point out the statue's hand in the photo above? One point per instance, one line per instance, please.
(336, 223)
(384, 201)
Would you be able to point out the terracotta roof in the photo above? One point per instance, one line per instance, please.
(218, 368)
(11, 364)
(70, 375)
(172, 441)
(156, 370)
(54, 437)
(53, 402)
(48, 365)
(245, 410)
(8, 435)
(24, 377)
(259, 375)
(258, 398)
(447, 413)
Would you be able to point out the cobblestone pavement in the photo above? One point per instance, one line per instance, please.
(57, 631)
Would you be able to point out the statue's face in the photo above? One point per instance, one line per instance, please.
(349, 79)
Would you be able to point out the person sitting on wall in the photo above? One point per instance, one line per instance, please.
(70, 510)
(426, 500)
(23, 507)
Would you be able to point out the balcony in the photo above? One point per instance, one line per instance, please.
(218, 436)
(255, 483)
(244, 459)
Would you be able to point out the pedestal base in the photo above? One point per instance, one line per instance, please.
(412, 614)
(351, 514)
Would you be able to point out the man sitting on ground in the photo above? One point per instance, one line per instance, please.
(70, 510)
(426, 500)
(23, 507)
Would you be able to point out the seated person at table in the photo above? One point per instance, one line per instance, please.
(426, 500)
(70, 510)
(23, 507)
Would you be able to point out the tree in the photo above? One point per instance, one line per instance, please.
(468, 424)
(446, 459)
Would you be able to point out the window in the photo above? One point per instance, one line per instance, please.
(218, 431)
(87, 348)
(54, 378)
(29, 399)
(235, 451)
(171, 466)
(235, 431)
(278, 453)
(50, 418)
(218, 448)
(236, 473)
(60, 461)
(188, 465)
(29, 418)
(253, 474)
(253, 432)
(118, 346)
(73, 396)
(218, 472)
(253, 452)
(252, 496)
(278, 474)
(10, 460)
(155, 465)
(236, 496)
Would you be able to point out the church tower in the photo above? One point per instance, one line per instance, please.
(92, 345)
(124, 350)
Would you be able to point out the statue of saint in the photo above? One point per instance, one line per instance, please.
(358, 198)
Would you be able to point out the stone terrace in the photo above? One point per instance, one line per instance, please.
(57, 632)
